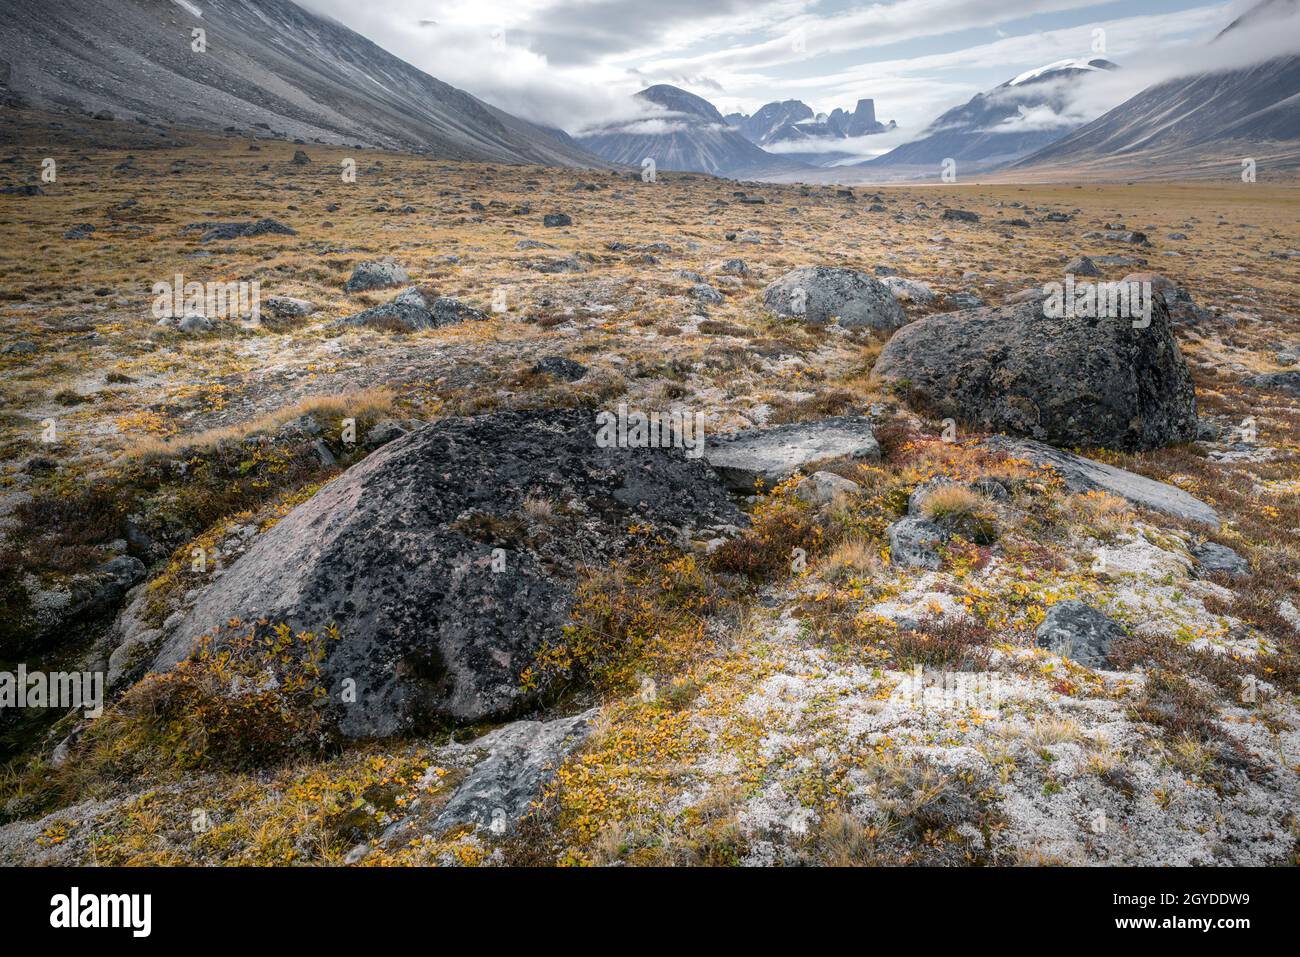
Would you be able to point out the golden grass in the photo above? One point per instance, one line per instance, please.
(327, 410)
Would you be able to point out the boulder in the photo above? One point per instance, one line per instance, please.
(414, 310)
(1079, 632)
(522, 758)
(1213, 558)
(914, 542)
(286, 307)
(379, 274)
(1082, 266)
(774, 454)
(553, 220)
(961, 215)
(1082, 474)
(703, 292)
(442, 586)
(822, 488)
(909, 290)
(1181, 307)
(213, 231)
(559, 367)
(1288, 381)
(822, 294)
(1068, 380)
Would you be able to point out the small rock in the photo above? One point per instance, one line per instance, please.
(1213, 558)
(1082, 266)
(377, 274)
(1079, 632)
(561, 368)
(914, 542)
(821, 488)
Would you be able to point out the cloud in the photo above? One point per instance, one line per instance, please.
(575, 64)
(858, 147)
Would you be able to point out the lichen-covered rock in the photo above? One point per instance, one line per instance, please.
(287, 307)
(1068, 381)
(1182, 309)
(914, 542)
(774, 454)
(1288, 381)
(522, 757)
(1081, 474)
(1079, 632)
(400, 553)
(380, 274)
(1213, 558)
(415, 310)
(909, 290)
(823, 294)
(822, 488)
(561, 367)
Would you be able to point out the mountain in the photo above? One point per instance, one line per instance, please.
(1198, 124)
(267, 65)
(769, 120)
(682, 131)
(1010, 121)
(791, 123)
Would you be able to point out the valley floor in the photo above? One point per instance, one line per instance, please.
(744, 711)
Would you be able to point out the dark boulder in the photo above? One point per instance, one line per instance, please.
(1068, 381)
(399, 553)
(414, 310)
(1079, 632)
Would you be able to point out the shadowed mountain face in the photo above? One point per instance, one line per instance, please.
(1199, 123)
(999, 126)
(687, 133)
(266, 65)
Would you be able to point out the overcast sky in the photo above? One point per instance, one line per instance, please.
(575, 63)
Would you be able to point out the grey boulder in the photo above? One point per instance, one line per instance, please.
(914, 542)
(822, 294)
(1079, 632)
(1182, 310)
(414, 310)
(522, 758)
(1213, 558)
(1068, 380)
(1288, 381)
(1082, 474)
(379, 274)
(400, 553)
(774, 454)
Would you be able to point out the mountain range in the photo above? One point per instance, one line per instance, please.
(272, 68)
(790, 124)
(682, 131)
(266, 65)
(1194, 125)
(993, 129)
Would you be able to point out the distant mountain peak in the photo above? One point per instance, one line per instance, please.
(677, 100)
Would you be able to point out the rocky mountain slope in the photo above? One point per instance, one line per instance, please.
(989, 131)
(684, 132)
(1204, 124)
(266, 65)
